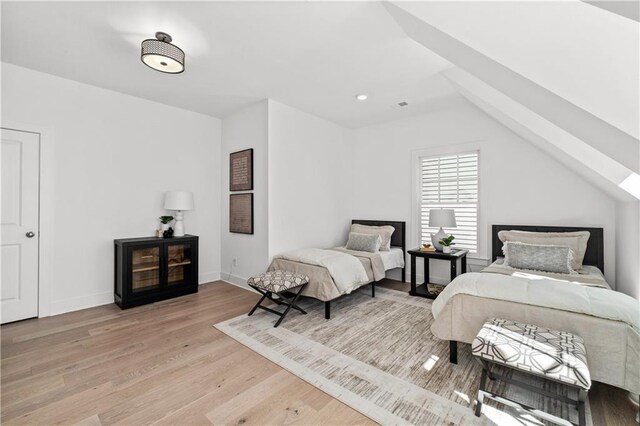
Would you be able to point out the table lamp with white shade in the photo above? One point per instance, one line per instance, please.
(178, 201)
(441, 218)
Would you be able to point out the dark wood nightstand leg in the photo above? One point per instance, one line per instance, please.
(413, 274)
(454, 267)
(463, 268)
(426, 271)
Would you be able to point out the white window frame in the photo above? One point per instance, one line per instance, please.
(453, 149)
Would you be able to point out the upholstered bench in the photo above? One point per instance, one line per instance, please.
(554, 355)
(278, 282)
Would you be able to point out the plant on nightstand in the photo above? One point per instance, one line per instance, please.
(165, 220)
(447, 242)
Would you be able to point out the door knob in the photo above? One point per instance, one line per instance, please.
(30, 234)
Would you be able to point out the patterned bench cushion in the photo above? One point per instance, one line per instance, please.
(277, 281)
(555, 355)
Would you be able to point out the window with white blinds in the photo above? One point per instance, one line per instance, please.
(451, 182)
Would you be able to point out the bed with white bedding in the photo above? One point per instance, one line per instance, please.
(338, 271)
(580, 302)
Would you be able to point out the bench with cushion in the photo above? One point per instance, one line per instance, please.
(554, 355)
(278, 282)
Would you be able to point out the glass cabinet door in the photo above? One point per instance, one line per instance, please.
(179, 264)
(145, 268)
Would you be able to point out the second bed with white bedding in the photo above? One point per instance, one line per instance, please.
(581, 303)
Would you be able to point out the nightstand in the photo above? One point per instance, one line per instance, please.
(422, 290)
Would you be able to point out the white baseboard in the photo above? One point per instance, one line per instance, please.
(208, 277)
(78, 303)
(90, 301)
(236, 280)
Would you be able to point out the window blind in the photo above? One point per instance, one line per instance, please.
(451, 182)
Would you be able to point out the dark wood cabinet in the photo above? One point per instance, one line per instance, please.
(151, 269)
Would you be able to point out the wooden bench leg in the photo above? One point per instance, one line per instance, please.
(292, 304)
(281, 300)
(582, 417)
(373, 289)
(264, 295)
(327, 310)
(480, 399)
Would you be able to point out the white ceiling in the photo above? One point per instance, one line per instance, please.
(315, 56)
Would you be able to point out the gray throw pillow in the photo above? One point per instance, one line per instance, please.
(363, 242)
(546, 258)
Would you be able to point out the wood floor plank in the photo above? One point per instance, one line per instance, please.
(165, 364)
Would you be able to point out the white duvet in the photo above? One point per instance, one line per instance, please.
(346, 270)
(546, 292)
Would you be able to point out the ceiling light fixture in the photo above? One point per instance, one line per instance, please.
(361, 97)
(161, 55)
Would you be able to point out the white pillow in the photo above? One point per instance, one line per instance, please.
(576, 241)
(385, 233)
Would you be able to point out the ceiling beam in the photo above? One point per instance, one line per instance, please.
(622, 145)
(609, 175)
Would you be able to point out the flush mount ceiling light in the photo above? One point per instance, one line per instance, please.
(161, 55)
(362, 97)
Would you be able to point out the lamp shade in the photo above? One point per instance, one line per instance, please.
(161, 55)
(442, 218)
(178, 200)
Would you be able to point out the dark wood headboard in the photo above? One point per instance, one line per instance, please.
(398, 239)
(595, 246)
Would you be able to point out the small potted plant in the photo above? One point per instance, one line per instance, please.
(447, 242)
(165, 220)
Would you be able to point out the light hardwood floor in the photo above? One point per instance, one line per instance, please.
(166, 364)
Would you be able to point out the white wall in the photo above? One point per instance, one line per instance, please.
(302, 185)
(518, 183)
(628, 248)
(107, 159)
(245, 129)
(310, 180)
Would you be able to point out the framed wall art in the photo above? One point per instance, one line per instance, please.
(241, 213)
(241, 170)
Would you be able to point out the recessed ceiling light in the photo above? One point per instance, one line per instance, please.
(403, 104)
(361, 97)
(161, 55)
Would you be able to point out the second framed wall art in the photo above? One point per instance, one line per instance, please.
(241, 213)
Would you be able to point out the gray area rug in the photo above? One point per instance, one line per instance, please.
(378, 356)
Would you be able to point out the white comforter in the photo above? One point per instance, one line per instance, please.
(539, 291)
(346, 270)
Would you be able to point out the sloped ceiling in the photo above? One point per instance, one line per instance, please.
(315, 56)
(576, 86)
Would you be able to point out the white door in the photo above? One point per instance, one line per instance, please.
(20, 174)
